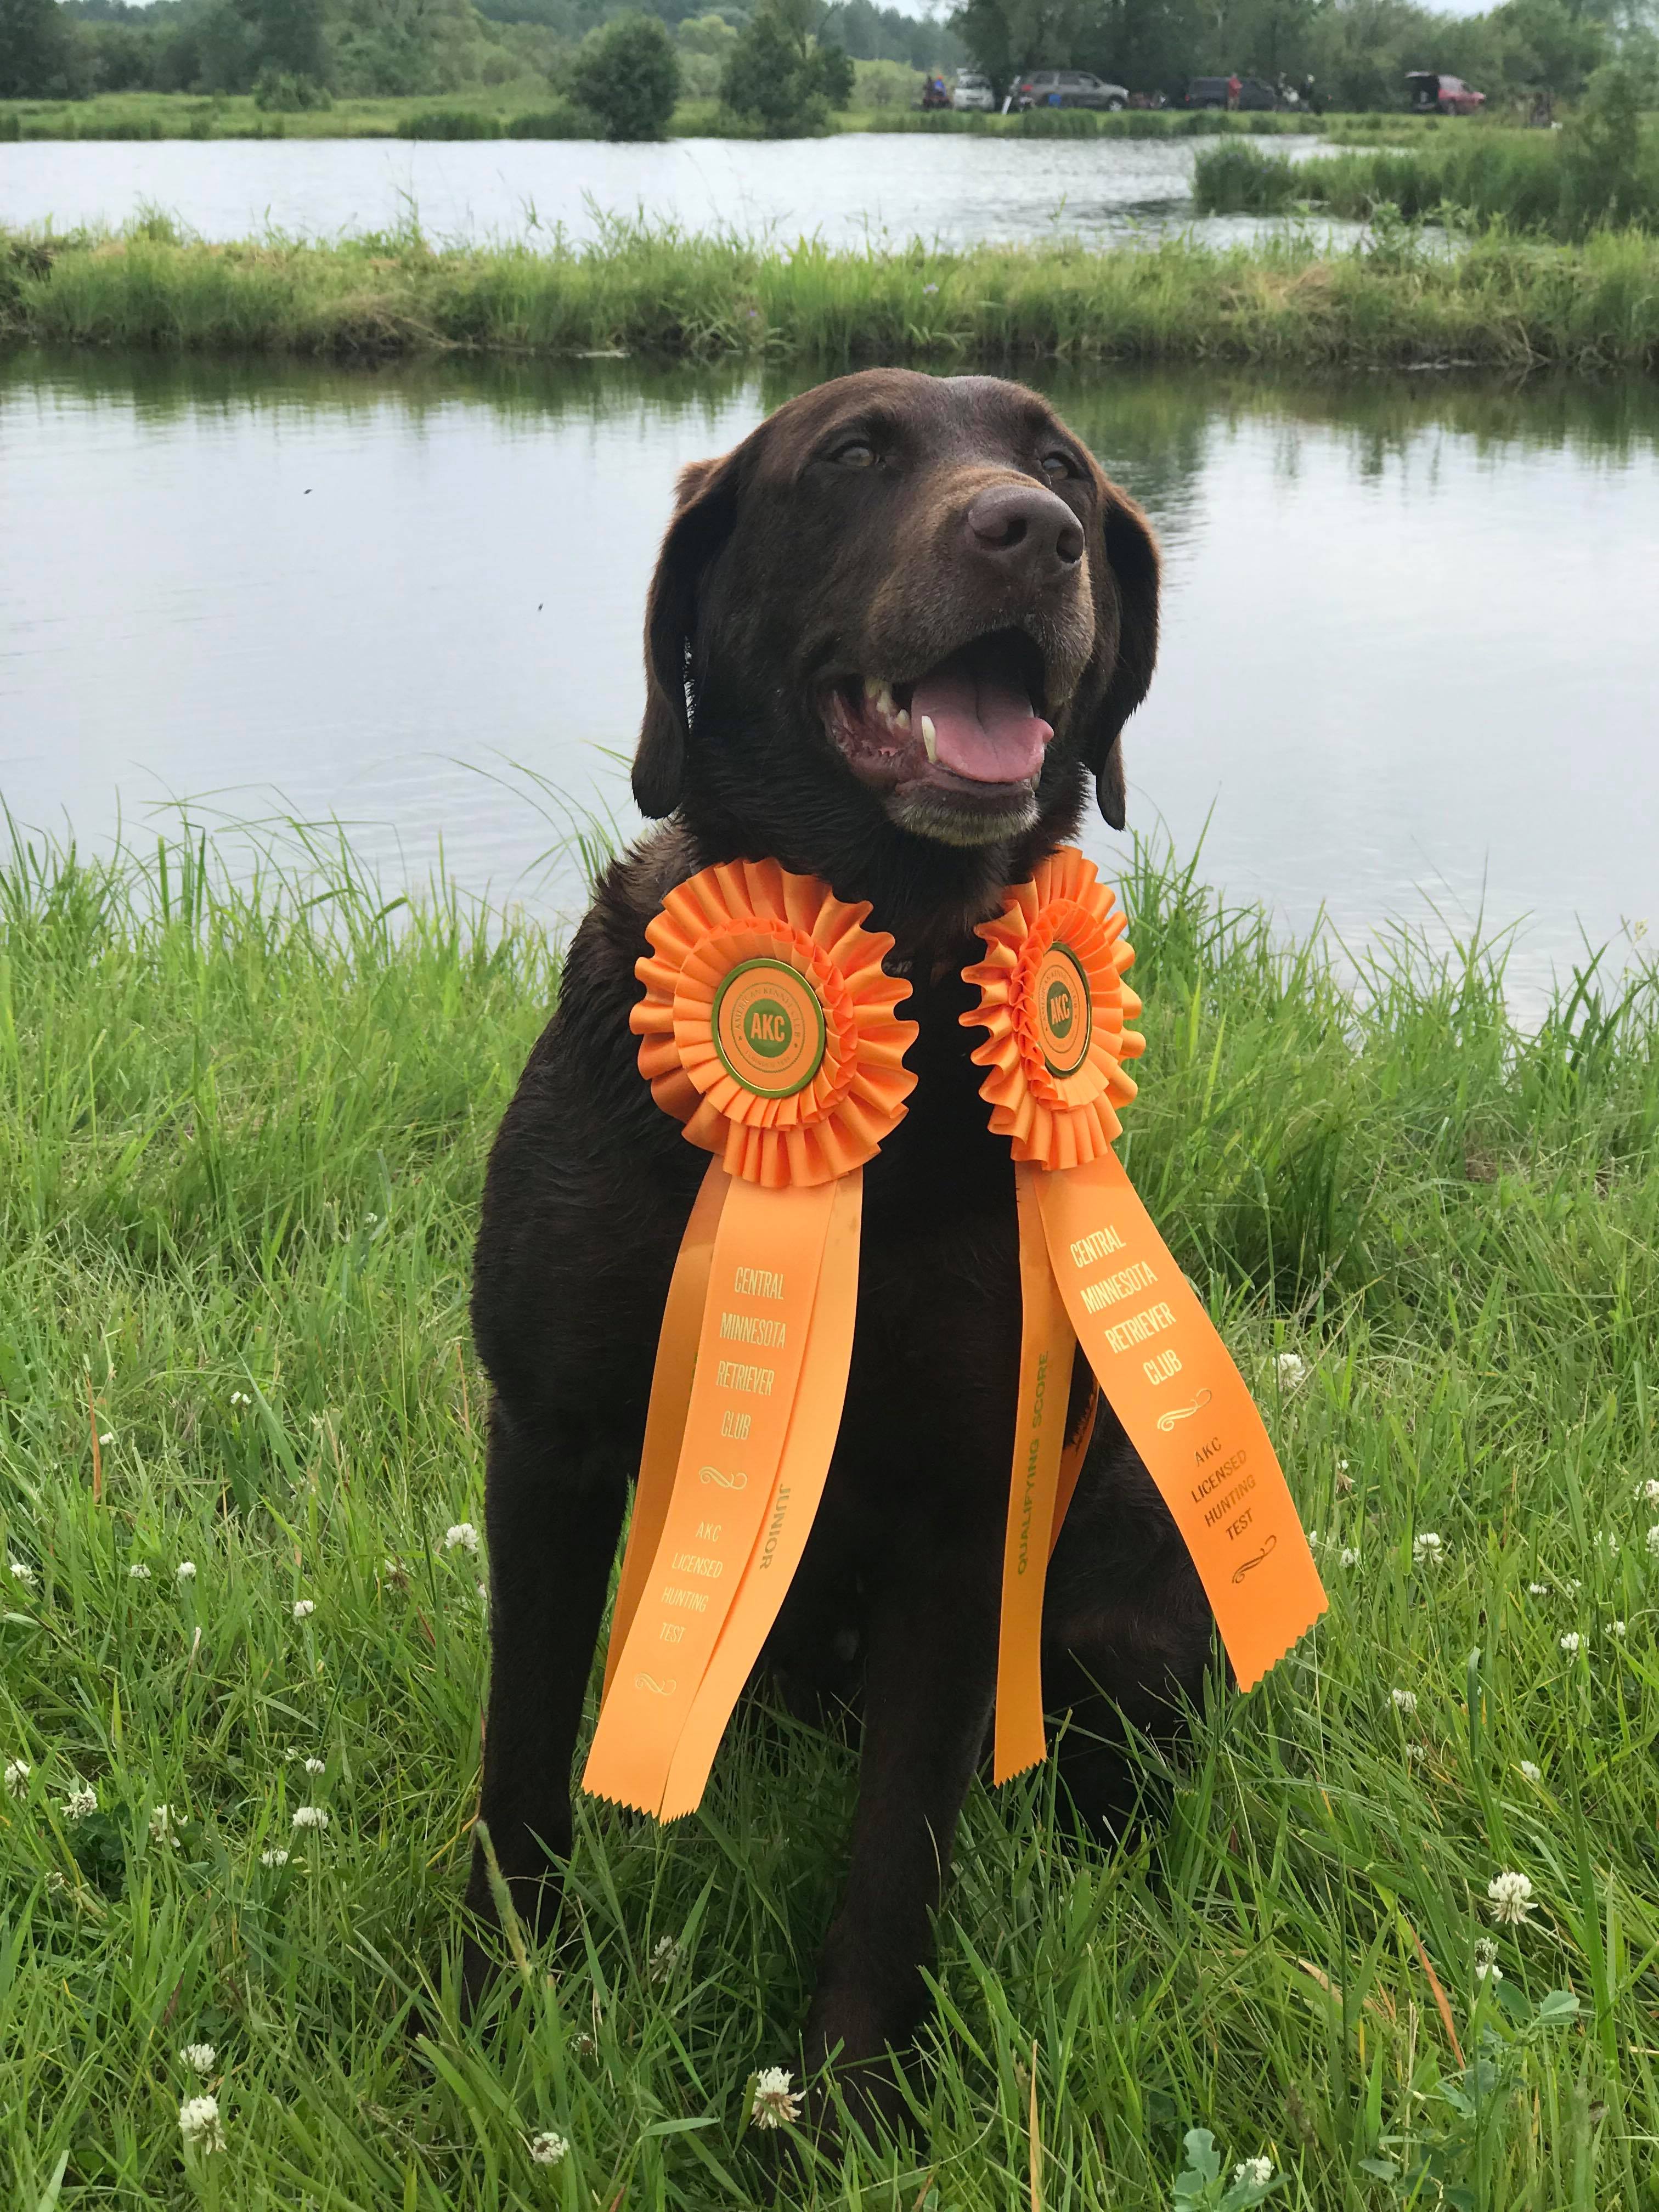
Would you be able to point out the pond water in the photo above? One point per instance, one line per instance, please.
(848, 189)
(1407, 670)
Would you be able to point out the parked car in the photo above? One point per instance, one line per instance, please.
(1432, 93)
(971, 90)
(1212, 92)
(1067, 89)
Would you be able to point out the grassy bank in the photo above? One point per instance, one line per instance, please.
(241, 1135)
(1501, 304)
(529, 110)
(1558, 184)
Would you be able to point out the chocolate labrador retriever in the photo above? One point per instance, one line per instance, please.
(891, 638)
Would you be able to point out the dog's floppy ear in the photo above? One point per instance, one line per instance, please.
(1131, 558)
(702, 518)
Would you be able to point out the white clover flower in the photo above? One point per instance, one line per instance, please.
(547, 2148)
(22, 1573)
(1350, 1555)
(1609, 1543)
(81, 1803)
(138, 1573)
(462, 1537)
(18, 1772)
(1648, 1490)
(1487, 1967)
(198, 2123)
(1570, 1642)
(276, 1857)
(1531, 1772)
(1292, 1368)
(1405, 1700)
(664, 1957)
(1416, 1751)
(108, 1436)
(1510, 1897)
(185, 1571)
(161, 1819)
(1653, 1541)
(56, 1884)
(1538, 1590)
(304, 1607)
(583, 2043)
(241, 1398)
(316, 1766)
(1617, 1629)
(483, 1594)
(1572, 1586)
(1260, 2171)
(310, 1816)
(1427, 1550)
(774, 2101)
(200, 2058)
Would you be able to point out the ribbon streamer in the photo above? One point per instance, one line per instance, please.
(1094, 1270)
(767, 1028)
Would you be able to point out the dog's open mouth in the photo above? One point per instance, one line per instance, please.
(973, 722)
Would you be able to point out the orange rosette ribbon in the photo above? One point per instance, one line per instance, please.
(767, 1028)
(1093, 1272)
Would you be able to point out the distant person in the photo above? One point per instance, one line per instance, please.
(1234, 88)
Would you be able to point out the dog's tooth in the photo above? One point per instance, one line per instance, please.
(885, 700)
(903, 718)
(872, 687)
(930, 737)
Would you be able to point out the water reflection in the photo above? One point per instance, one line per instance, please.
(1407, 650)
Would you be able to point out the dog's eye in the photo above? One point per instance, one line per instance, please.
(856, 454)
(1057, 467)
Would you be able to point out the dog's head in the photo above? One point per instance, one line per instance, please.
(903, 618)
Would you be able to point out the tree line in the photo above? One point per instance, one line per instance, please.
(783, 63)
(304, 51)
(1356, 52)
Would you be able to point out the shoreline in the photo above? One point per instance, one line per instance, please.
(1500, 305)
(527, 111)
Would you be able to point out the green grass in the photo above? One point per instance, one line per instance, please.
(1550, 183)
(241, 1138)
(1501, 304)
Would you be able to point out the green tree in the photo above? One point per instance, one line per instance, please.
(39, 58)
(628, 74)
(287, 37)
(779, 76)
(1549, 45)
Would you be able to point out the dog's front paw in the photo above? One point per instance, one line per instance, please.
(857, 2060)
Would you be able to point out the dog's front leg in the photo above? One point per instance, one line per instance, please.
(553, 1506)
(930, 1679)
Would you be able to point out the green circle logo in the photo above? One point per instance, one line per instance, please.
(1064, 1021)
(768, 1029)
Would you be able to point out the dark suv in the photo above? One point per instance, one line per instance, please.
(1067, 89)
(1212, 92)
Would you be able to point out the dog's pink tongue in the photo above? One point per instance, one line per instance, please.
(983, 729)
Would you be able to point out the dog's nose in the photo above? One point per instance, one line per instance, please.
(1027, 530)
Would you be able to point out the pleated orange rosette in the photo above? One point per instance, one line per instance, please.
(1054, 999)
(830, 1092)
(767, 1028)
(1093, 1272)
